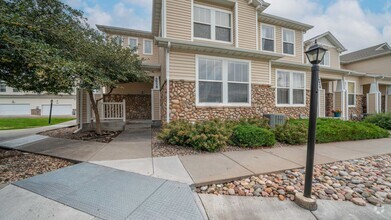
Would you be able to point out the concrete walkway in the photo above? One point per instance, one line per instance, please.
(221, 167)
(235, 207)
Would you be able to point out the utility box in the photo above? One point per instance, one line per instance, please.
(275, 119)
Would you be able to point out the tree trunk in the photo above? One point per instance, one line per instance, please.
(98, 127)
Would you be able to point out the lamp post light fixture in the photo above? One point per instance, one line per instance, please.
(315, 55)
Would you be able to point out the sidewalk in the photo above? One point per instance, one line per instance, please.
(235, 207)
(222, 167)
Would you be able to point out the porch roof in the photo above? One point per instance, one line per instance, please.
(212, 48)
(308, 67)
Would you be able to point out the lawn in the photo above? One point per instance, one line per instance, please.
(20, 123)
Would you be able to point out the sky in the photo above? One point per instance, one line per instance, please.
(356, 24)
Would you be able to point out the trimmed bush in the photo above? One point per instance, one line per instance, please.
(291, 133)
(206, 136)
(247, 135)
(334, 130)
(382, 120)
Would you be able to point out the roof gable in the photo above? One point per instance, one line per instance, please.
(327, 39)
(367, 53)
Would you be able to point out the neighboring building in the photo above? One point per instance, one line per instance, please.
(229, 59)
(376, 61)
(18, 103)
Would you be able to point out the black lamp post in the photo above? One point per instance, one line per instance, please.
(315, 55)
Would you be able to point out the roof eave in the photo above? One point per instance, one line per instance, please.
(124, 31)
(366, 58)
(280, 21)
(209, 48)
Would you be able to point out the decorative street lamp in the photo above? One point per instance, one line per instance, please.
(315, 55)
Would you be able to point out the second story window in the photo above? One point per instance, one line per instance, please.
(288, 39)
(212, 24)
(133, 43)
(3, 86)
(326, 59)
(148, 47)
(267, 38)
(119, 40)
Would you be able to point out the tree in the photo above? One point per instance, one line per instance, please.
(46, 46)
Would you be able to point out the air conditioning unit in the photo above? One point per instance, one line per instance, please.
(275, 119)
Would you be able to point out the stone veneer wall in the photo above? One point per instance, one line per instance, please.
(359, 109)
(137, 106)
(182, 104)
(163, 103)
(329, 104)
(383, 103)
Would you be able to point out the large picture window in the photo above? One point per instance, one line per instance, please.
(288, 39)
(351, 94)
(268, 38)
(212, 24)
(290, 88)
(222, 82)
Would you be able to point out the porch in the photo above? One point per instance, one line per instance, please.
(378, 97)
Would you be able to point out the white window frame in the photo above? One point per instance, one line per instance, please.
(133, 38)
(291, 89)
(294, 42)
(328, 55)
(225, 82)
(144, 40)
(121, 39)
(212, 24)
(355, 92)
(274, 40)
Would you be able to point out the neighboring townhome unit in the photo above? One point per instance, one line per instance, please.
(19, 103)
(376, 62)
(229, 59)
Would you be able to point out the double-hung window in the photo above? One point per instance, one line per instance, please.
(223, 82)
(133, 43)
(326, 59)
(268, 38)
(148, 47)
(290, 88)
(118, 40)
(351, 93)
(3, 86)
(212, 24)
(288, 39)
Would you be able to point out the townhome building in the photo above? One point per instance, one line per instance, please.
(21, 103)
(230, 59)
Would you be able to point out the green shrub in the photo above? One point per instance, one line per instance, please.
(382, 120)
(291, 133)
(206, 136)
(334, 130)
(247, 135)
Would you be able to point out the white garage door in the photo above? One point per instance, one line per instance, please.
(15, 109)
(58, 109)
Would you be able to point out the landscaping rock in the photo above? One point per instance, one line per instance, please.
(374, 201)
(359, 201)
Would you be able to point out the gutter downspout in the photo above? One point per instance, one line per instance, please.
(168, 82)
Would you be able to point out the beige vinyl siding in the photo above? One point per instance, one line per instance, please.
(182, 67)
(178, 19)
(379, 65)
(334, 58)
(371, 107)
(162, 61)
(259, 72)
(156, 105)
(247, 25)
(367, 80)
(149, 59)
(329, 75)
(388, 98)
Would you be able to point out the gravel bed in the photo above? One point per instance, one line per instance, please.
(67, 133)
(16, 165)
(160, 149)
(361, 181)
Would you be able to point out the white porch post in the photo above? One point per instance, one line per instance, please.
(340, 99)
(374, 99)
(124, 110)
